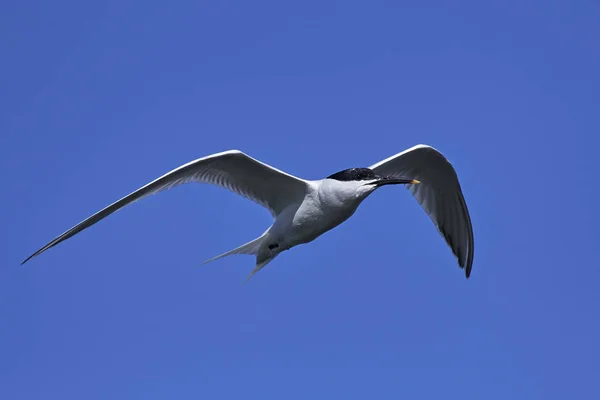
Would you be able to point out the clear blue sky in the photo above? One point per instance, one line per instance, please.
(98, 99)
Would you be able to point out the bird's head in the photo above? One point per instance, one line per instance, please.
(365, 179)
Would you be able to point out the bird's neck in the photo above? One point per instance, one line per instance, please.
(343, 193)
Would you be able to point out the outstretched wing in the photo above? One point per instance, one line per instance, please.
(232, 170)
(439, 193)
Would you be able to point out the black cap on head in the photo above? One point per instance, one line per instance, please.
(354, 174)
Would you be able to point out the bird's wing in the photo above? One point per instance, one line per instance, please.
(439, 193)
(233, 170)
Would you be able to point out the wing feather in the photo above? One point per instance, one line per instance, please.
(232, 170)
(439, 194)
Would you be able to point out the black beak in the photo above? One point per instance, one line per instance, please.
(394, 181)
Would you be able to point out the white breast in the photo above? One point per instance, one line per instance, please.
(327, 204)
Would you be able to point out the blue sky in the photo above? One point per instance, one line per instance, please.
(98, 99)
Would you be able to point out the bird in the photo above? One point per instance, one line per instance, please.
(302, 209)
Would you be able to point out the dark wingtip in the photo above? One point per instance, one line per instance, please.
(37, 253)
(468, 271)
(27, 259)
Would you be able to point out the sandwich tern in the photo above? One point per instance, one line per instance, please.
(303, 210)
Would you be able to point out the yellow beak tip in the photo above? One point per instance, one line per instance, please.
(415, 181)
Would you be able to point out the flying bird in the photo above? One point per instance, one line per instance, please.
(303, 210)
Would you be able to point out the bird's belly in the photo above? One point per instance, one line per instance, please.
(311, 222)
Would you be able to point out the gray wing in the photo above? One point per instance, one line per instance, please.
(232, 170)
(439, 193)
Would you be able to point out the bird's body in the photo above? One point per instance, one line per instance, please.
(326, 205)
(303, 209)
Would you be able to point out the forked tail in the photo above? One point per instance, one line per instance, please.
(259, 265)
(252, 248)
(248, 248)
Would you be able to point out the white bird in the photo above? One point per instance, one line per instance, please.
(303, 210)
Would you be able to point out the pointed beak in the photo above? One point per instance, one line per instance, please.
(394, 181)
